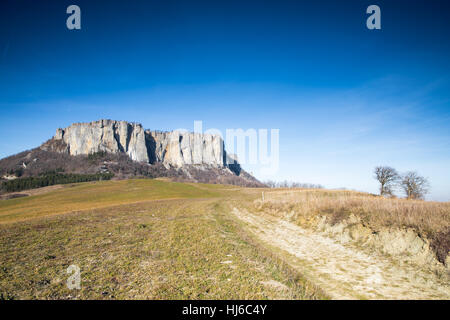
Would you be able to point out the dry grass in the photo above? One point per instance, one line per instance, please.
(429, 219)
(424, 216)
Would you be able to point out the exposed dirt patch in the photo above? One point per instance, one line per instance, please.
(12, 196)
(343, 270)
(275, 285)
(418, 231)
(31, 192)
(403, 244)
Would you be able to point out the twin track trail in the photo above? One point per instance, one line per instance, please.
(343, 272)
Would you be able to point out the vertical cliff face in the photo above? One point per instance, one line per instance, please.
(173, 148)
(180, 148)
(105, 135)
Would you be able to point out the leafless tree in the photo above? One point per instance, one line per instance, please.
(387, 177)
(415, 186)
(270, 183)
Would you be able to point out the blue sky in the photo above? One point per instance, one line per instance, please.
(345, 98)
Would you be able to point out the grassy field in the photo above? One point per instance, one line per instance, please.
(154, 239)
(93, 195)
(138, 239)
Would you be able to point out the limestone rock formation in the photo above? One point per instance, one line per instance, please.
(185, 148)
(105, 135)
(173, 148)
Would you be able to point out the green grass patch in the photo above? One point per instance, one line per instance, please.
(99, 194)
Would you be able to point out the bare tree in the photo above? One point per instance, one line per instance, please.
(415, 186)
(387, 177)
(270, 184)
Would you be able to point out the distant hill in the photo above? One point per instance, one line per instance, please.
(127, 150)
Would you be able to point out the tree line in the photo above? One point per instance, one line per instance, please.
(51, 179)
(413, 185)
(290, 184)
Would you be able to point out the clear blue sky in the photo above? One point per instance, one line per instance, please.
(344, 98)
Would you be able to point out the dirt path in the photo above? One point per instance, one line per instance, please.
(344, 272)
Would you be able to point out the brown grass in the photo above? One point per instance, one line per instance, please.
(429, 219)
(424, 216)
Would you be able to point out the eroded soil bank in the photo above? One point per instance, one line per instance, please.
(349, 261)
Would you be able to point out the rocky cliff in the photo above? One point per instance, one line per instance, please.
(104, 135)
(182, 148)
(173, 148)
(127, 150)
